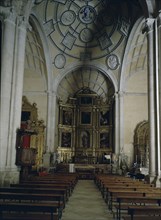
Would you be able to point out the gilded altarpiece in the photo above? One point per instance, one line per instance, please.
(30, 136)
(85, 129)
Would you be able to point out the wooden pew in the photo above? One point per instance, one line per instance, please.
(144, 210)
(23, 197)
(71, 179)
(130, 188)
(142, 217)
(35, 196)
(106, 187)
(36, 186)
(113, 193)
(23, 209)
(120, 187)
(105, 181)
(63, 192)
(124, 201)
(102, 179)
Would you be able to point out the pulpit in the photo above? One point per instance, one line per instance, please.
(25, 158)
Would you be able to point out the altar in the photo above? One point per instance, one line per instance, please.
(87, 171)
(85, 168)
(85, 159)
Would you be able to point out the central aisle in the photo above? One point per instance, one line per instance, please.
(86, 203)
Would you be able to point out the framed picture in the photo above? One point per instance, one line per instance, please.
(104, 118)
(85, 118)
(66, 139)
(67, 117)
(104, 140)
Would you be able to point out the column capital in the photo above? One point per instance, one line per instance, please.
(149, 25)
(22, 22)
(8, 14)
(159, 17)
(120, 93)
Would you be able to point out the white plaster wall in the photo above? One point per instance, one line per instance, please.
(135, 109)
(34, 90)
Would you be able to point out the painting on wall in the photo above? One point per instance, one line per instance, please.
(66, 139)
(67, 117)
(104, 140)
(104, 118)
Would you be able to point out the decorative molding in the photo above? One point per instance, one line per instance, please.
(149, 25)
(85, 27)
(112, 62)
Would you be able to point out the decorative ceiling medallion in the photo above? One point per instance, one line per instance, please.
(87, 14)
(60, 61)
(112, 61)
(68, 17)
(83, 25)
(86, 35)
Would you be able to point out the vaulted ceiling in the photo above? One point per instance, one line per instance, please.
(88, 40)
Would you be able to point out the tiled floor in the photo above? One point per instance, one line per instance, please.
(86, 203)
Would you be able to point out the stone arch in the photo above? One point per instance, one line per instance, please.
(46, 50)
(109, 74)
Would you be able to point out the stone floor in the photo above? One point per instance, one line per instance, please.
(86, 203)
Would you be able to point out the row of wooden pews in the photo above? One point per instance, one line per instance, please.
(129, 196)
(41, 197)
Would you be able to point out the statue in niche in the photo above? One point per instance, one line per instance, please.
(85, 139)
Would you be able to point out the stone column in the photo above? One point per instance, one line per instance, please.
(158, 92)
(8, 39)
(117, 124)
(151, 96)
(17, 88)
(51, 122)
(13, 56)
(121, 121)
(51, 126)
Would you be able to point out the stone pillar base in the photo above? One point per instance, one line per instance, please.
(156, 180)
(46, 160)
(9, 176)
